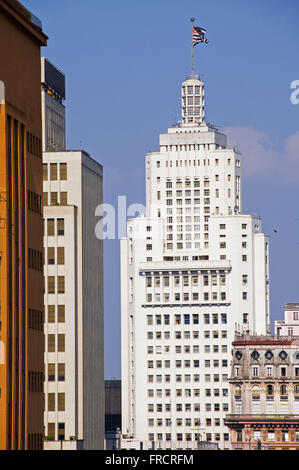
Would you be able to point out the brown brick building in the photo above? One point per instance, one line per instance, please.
(265, 393)
(21, 259)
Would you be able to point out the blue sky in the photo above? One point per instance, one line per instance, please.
(124, 62)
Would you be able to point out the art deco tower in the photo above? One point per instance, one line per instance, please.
(191, 269)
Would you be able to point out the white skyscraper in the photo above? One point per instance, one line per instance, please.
(73, 268)
(191, 269)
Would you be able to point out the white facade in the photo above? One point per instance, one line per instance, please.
(74, 316)
(290, 325)
(191, 268)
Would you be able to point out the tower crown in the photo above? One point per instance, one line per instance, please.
(193, 104)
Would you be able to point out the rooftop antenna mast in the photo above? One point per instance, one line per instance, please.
(198, 36)
(192, 47)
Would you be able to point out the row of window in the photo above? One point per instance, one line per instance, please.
(35, 381)
(53, 199)
(268, 371)
(52, 377)
(196, 183)
(35, 259)
(60, 431)
(186, 363)
(256, 391)
(196, 378)
(54, 227)
(54, 171)
(56, 313)
(192, 280)
(188, 437)
(34, 145)
(34, 202)
(160, 407)
(190, 90)
(56, 402)
(35, 319)
(179, 422)
(179, 407)
(186, 334)
(187, 349)
(56, 343)
(177, 163)
(185, 319)
(186, 297)
(270, 437)
(55, 254)
(196, 193)
(55, 284)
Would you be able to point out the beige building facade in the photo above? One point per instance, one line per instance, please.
(264, 387)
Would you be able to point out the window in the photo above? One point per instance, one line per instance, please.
(51, 313)
(51, 255)
(51, 401)
(45, 172)
(50, 227)
(61, 343)
(54, 198)
(51, 285)
(60, 255)
(51, 343)
(53, 171)
(51, 372)
(45, 199)
(61, 313)
(63, 171)
(51, 431)
(61, 431)
(61, 402)
(61, 372)
(61, 285)
(60, 226)
(63, 198)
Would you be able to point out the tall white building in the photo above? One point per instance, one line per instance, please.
(74, 388)
(73, 299)
(191, 269)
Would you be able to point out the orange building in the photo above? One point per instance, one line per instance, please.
(21, 237)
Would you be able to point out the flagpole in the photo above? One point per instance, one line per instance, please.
(192, 48)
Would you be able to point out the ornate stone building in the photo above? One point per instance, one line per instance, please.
(264, 388)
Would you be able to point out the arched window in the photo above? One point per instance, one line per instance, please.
(296, 390)
(269, 390)
(283, 390)
(238, 393)
(255, 392)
